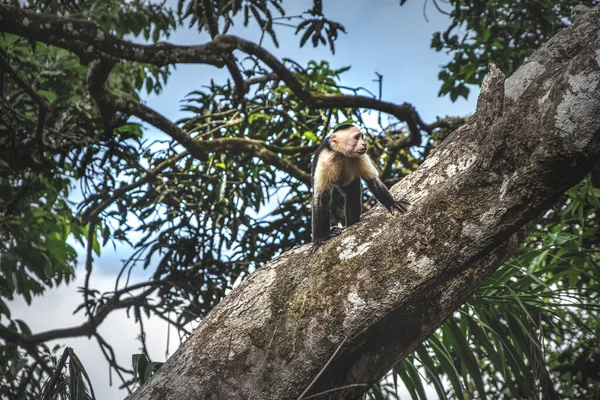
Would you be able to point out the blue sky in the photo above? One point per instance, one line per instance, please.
(381, 37)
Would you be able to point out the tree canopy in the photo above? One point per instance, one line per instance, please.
(78, 166)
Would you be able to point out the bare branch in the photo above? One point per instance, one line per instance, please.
(86, 329)
(404, 112)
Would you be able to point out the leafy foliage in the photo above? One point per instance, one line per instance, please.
(34, 206)
(499, 32)
(210, 15)
(23, 379)
(20, 378)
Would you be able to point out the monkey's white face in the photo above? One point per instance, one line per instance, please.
(349, 142)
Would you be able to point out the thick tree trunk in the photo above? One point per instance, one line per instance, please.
(339, 319)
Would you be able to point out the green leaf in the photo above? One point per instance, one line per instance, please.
(415, 378)
(460, 345)
(401, 370)
(48, 95)
(139, 363)
(95, 244)
(151, 369)
(431, 371)
(309, 135)
(23, 328)
(443, 357)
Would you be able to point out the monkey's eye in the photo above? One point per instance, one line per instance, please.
(356, 137)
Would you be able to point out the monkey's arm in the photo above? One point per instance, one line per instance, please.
(382, 194)
(353, 195)
(321, 218)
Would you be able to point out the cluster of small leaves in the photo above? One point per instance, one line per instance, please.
(218, 16)
(501, 32)
(20, 376)
(318, 28)
(208, 13)
(319, 76)
(533, 327)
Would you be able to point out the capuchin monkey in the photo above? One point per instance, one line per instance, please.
(341, 161)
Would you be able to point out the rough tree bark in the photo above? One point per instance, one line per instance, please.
(363, 301)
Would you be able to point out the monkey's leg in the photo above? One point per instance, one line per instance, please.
(383, 195)
(321, 217)
(353, 195)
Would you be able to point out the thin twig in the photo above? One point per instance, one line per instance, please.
(352, 385)
(323, 369)
(138, 315)
(112, 360)
(88, 271)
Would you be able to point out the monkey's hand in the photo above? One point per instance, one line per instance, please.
(398, 205)
(335, 231)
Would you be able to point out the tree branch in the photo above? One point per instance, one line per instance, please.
(97, 75)
(86, 329)
(95, 210)
(88, 40)
(404, 112)
(376, 291)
